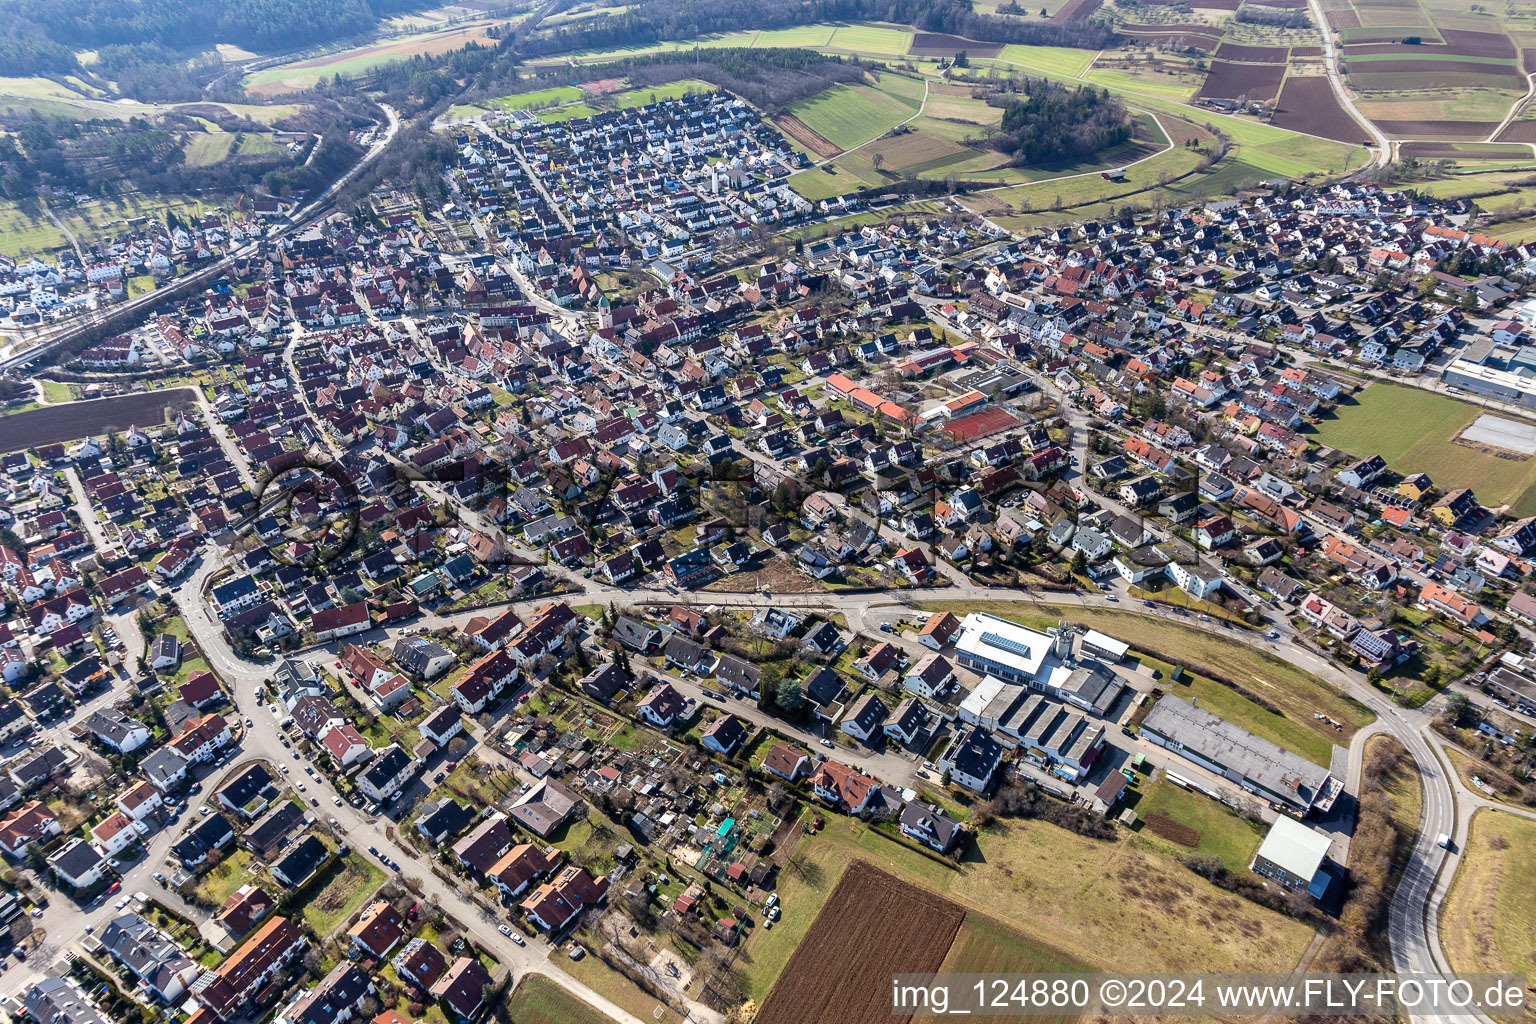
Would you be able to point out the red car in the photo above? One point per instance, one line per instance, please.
(114, 887)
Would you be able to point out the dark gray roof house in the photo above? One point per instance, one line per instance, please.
(273, 830)
(150, 954)
(443, 819)
(58, 1001)
(604, 682)
(929, 825)
(249, 792)
(295, 867)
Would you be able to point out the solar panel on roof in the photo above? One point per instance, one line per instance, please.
(1012, 646)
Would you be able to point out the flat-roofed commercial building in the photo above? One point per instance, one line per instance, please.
(1259, 766)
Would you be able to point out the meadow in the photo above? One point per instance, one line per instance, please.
(848, 115)
(1486, 921)
(1413, 429)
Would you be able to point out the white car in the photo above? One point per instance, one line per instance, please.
(505, 930)
(301, 787)
(518, 939)
(336, 800)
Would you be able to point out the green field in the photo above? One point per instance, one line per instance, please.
(656, 94)
(538, 98)
(872, 39)
(1178, 88)
(1161, 643)
(537, 1000)
(569, 112)
(817, 184)
(203, 150)
(848, 115)
(1412, 429)
(1488, 922)
(1222, 833)
(1058, 60)
(800, 35)
(254, 145)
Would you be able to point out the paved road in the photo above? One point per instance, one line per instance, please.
(1383, 153)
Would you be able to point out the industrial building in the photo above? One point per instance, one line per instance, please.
(1259, 766)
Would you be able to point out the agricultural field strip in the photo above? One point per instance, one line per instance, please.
(915, 114)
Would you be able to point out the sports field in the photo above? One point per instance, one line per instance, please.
(550, 97)
(1413, 429)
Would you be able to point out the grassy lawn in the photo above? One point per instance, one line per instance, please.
(537, 1000)
(57, 391)
(350, 882)
(1487, 921)
(218, 884)
(1072, 901)
(1402, 788)
(611, 985)
(1222, 833)
(1298, 694)
(1373, 422)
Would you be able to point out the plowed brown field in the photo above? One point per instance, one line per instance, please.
(937, 44)
(1519, 131)
(1263, 54)
(1438, 129)
(871, 920)
(1478, 44)
(802, 133)
(75, 420)
(1075, 11)
(1309, 105)
(1231, 81)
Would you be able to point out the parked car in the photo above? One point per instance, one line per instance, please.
(504, 930)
